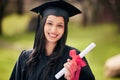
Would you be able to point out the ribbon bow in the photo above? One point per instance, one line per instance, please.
(80, 63)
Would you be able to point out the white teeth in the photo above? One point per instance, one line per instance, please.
(53, 35)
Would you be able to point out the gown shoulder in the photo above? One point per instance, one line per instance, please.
(19, 70)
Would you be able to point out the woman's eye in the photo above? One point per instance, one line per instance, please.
(49, 23)
(61, 26)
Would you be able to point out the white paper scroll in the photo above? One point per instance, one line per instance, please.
(82, 54)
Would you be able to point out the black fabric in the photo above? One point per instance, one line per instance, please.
(70, 9)
(55, 11)
(21, 72)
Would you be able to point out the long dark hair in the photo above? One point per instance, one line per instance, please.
(39, 48)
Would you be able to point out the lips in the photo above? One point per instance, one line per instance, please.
(52, 35)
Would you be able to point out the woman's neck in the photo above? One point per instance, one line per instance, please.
(49, 48)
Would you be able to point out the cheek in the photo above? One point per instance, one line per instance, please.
(62, 32)
(45, 29)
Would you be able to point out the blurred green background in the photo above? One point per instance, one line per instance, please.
(97, 24)
(16, 39)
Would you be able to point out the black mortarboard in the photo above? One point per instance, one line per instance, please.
(70, 9)
(57, 8)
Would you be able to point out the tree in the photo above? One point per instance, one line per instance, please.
(114, 6)
(3, 4)
(7, 7)
(20, 6)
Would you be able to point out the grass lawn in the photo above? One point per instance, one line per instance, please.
(15, 39)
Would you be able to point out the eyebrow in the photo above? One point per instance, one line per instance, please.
(49, 20)
(52, 21)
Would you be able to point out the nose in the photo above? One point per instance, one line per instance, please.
(54, 29)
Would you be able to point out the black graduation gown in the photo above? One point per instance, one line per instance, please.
(21, 72)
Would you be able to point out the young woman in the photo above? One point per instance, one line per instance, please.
(50, 52)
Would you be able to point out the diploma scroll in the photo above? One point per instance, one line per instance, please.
(82, 54)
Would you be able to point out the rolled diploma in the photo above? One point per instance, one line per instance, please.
(82, 54)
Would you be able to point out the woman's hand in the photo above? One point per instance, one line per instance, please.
(71, 67)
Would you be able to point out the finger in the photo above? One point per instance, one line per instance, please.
(68, 60)
(67, 75)
(67, 66)
(72, 67)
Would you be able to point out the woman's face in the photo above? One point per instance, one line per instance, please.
(54, 28)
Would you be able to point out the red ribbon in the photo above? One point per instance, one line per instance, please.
(80, 63)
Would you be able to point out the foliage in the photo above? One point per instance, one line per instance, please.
(106, 39)
(104, 35)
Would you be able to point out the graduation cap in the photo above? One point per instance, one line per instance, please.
(56, 7)
(70, 9)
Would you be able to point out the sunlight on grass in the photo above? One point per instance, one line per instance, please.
(7, 60)
(106, 39)
(15, 24)
(15, 39)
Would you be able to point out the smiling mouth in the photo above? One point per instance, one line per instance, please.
(52, 35)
